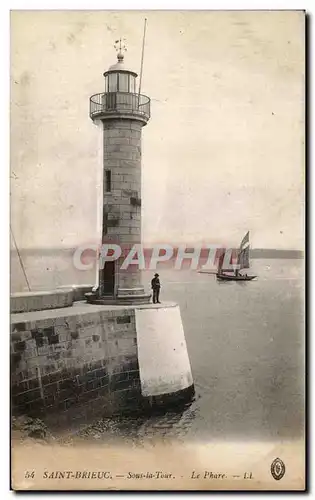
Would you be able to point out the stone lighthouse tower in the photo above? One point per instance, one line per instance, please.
(123, 112)
(149, 336)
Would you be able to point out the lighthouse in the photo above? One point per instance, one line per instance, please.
(123, 112)
(159, 343)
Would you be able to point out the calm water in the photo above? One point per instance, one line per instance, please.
(246, 348)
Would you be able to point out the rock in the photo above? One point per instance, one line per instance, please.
(31, 427)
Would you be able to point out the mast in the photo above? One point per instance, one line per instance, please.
(20, 259)
(142, 56)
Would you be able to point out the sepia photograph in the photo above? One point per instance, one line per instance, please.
(157, 250)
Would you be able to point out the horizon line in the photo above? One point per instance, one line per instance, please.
(151, 246)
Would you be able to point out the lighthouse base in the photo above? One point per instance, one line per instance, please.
(164, 402)
(94, 298)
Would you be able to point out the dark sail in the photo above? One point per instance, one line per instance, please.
(221, 260)
(243, 254)
(245, 240)
(243, 258)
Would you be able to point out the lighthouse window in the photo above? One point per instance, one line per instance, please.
(112, 82)
(123, 82)
(132, 84)
(108, 181)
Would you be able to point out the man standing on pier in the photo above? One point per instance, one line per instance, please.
(156, 285)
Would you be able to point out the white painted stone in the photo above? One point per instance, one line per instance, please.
(162, 353)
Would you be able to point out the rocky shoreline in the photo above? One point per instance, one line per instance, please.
(25, 428)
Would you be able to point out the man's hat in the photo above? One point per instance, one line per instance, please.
(156, 274)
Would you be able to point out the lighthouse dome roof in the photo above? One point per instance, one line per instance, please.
(120, 66)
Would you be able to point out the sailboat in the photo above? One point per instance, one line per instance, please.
(242, 261)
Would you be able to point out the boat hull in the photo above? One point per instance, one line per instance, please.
(227, 277)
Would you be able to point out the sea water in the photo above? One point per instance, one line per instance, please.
(246, 344)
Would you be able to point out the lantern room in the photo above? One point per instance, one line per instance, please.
(120, 98)
(120, 79)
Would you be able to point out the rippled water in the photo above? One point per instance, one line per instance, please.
(246, 348)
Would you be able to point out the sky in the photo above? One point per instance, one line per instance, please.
(223, 152)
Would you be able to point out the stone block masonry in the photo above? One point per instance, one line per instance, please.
(126, 169)
(87, 358)
(61, 362)
(122, 157)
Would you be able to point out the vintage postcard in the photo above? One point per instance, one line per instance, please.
(157, 250)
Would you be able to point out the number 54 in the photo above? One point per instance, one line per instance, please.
(29, 474)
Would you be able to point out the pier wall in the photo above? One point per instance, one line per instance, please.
(88, 358)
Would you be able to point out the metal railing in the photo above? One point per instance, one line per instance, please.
(119, 101)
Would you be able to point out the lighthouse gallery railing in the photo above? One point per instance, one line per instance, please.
(119, 101)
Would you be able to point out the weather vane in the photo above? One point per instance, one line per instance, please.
(120, 45)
